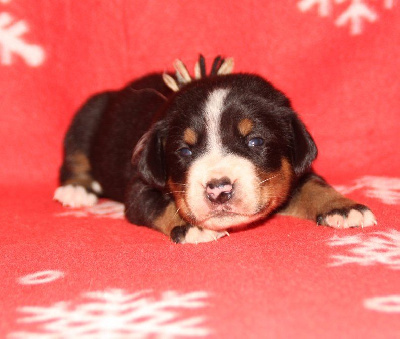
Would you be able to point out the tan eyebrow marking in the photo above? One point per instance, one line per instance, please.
(245, 126)
(190, 136)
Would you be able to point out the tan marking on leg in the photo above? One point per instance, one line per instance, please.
(77, 191)
(79, 167)
(245, 126)
(314, 198)
(169, 219)
(79, 163)
(190, 136)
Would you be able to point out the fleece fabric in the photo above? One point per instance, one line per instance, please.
(88, 273)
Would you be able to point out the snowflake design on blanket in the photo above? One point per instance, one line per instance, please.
(378, 248)
(385, 189)
(12, 42)
(352, 13)
(114, 313)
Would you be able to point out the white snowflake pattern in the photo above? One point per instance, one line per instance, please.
(324, 6)
(383, 188)
(116, 314)
(103, 209)
(386, 304)
(354, 16)
(12, 42)
(378, 248)
(41, 277)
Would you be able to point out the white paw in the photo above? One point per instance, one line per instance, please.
(196, 235)
(352, 218)
(74, 196)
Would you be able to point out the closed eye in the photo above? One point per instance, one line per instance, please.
(254, 142)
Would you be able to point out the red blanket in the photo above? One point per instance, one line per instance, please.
(69, 273)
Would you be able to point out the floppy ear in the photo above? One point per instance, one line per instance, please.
(148, 157)
(304, 148)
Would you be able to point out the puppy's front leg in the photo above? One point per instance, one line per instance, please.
(314, 199)
(148, 206)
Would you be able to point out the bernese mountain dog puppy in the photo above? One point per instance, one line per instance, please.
(195, 158)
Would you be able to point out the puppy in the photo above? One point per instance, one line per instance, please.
(194, 158)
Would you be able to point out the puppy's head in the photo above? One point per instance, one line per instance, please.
(228, 150)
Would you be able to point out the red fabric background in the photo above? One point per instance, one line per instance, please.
(273, 281)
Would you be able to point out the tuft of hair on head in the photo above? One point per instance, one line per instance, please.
(182, 74)
(226, 67)
(220, 66)
(170, 82)
(216, 65)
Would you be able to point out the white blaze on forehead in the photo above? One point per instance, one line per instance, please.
(213, 111)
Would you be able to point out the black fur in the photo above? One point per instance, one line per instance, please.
(249, 96)
(129, 115)
(79, 137)
(148, 116)
(144, 203)
(178, 233)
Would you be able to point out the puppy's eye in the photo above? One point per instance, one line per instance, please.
(185, 152)
(255, 142)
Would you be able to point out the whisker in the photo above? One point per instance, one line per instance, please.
(274, 176)
(175, 192)
(171, 221)
(175, 214)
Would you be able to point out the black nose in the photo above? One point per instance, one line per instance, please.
(219, 191)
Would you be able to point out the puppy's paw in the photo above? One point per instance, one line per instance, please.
(74, 196)
(351, 216)
(188, 234)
